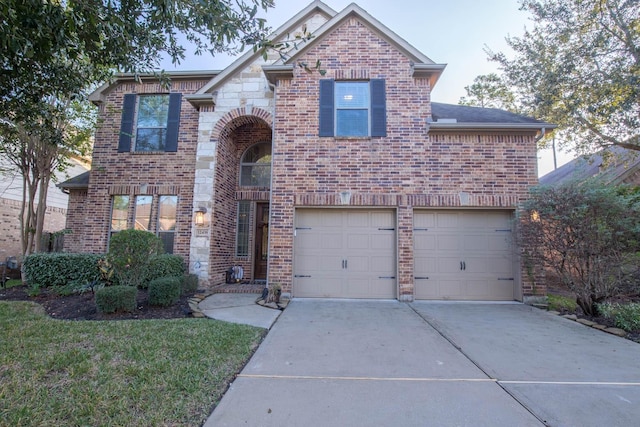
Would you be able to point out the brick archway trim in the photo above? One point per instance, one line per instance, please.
(239, 117)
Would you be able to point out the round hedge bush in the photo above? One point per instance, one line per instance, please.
(165, 291)
(116, 298)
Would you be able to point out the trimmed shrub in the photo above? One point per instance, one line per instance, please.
(116, 298)
(165, 291)
(130, 254)
(165, 265)
(60, 269)
(189, 284)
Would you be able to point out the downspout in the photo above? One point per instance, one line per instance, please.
(273, 151)
(543, 132)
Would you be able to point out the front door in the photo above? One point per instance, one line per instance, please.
(261, 250)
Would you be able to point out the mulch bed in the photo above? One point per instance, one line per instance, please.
(83, 307)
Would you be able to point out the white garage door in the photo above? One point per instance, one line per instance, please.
(463, 255)
(344, 253)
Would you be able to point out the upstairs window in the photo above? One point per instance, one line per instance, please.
(255, 166)
(352, 108)
(352, 103)
(150, 123)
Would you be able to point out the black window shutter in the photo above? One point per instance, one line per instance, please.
(126, 124)
(173, 122)
(378, 108)
(326, 108)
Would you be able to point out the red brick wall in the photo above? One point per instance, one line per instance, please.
(133, 174)
(74, 240)
(410, 166)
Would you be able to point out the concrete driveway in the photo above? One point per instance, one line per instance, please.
(385, 363)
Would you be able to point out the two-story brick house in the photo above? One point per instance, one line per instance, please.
(349, 184)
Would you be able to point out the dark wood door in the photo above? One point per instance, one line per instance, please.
(261, 241)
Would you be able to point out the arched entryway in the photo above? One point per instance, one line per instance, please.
(240, 217)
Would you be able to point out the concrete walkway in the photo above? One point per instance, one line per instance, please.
(384, 363)
(238, 308)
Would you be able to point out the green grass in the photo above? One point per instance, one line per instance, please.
(561, 303)
(129, 372)
(13, 282)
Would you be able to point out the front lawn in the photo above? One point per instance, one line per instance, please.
(128, 372)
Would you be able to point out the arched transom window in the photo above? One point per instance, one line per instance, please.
(255, 166)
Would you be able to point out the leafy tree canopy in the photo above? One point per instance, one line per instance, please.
(490, 91)
(58, 47)
(579, 67)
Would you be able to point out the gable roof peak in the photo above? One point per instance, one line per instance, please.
(298, 19)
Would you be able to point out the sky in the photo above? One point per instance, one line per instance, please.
(452, 32)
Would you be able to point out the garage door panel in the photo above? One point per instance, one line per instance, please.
(357, 241)
(448, 242)
(361, 243)
(383, 241)
(383, 219)
(423, 240)
(382, 265)
(446, 220)
(464, 254)
(425, 220)
(308, 287)
(424, 265)
(447, 264)
(475, 242)
(330, 240)
(500, 242)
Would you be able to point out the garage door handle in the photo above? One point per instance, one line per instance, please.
(460, 265)
(505, 278)
(300, 275)
(464, 265)
(421, 278)
(386, 277)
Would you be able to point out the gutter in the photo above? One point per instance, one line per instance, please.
(543, 132)
(456, 126)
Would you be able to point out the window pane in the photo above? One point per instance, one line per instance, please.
(256, 175)
(260, 153)
(352, 123)
(255, 170)
(143, 213)
(153, 111)
(167, 213)
(119, 213)
(352, 95)
(150, 139)
(242, 232)
(167, 238)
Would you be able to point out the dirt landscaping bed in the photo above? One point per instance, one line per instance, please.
(83, 307)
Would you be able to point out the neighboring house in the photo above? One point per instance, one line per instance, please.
(11, 204)
(351, 184)
(614, 165)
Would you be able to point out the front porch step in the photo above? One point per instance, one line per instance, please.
(239, 288)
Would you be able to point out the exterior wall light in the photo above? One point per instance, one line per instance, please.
(199, 220)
